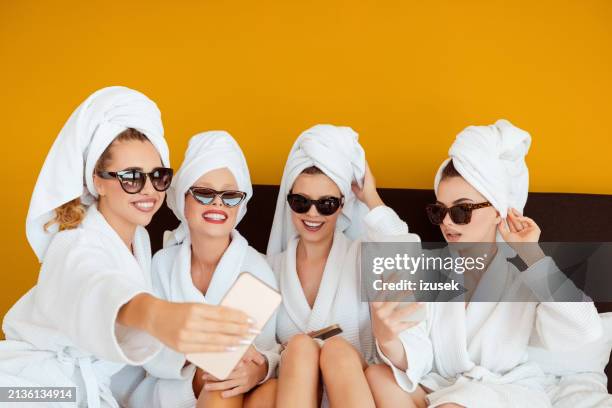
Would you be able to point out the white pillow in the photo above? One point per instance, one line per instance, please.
(592, 357)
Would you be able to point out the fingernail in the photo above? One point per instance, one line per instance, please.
(254, 331)
(231, 348)
(251, 320)
(245, 342)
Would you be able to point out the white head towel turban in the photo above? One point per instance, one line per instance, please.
(207, 151)
(335, 150)
(67, 173)
(492, 159)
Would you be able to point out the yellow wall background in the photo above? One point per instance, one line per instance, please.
(407, 75)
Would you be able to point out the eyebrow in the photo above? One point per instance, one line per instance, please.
(223, 187)
(458, 201)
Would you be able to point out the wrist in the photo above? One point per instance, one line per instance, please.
(137, 312)
(531, 253)
(387, 343)
(263, 370)
(373, 200)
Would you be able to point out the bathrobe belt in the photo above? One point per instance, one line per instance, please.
(93, 383)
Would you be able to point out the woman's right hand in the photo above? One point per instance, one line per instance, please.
(389, 319)
(195, 327)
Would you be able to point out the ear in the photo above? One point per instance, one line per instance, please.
(99, 185)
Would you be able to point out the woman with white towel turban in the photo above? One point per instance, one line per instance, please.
(91, 311)
(327, 203)
(479, 349)
(199, 263)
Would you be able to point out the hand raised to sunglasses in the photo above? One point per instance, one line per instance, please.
(368, 193)
(519, 232)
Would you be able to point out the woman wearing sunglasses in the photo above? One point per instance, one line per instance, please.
(478, 350)
(327, 202)
(91, 311)
(200, 261)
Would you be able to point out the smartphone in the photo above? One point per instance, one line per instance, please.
(326, 332)
(252, 296)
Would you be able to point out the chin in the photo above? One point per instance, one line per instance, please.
(310, 236)
(213, 232)
(142, 220)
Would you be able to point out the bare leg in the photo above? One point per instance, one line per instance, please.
(262, 396)
(213, 399)
(298, 380)
(388, 394)
(342, 368)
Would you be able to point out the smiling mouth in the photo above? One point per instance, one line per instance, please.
(312, 226)
(144, 206)
(214, 217)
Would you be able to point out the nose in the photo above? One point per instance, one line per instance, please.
(148, 187)
(447, 219)
(217, 201)
(312, 211)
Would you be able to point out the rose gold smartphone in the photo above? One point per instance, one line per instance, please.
(252, 296)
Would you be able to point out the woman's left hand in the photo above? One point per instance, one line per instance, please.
(519, 233)
(251, 370)
(368, 194)
(519, 229)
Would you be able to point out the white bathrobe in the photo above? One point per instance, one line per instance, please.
(169, 381)
(63, 332)
(479, 353)
(339, 298)
(577, 376)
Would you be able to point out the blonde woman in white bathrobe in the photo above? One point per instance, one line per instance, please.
(199, 263)
(477, 352)
(91, 311)
(327, 202)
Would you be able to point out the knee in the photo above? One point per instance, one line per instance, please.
(302, 346)
(378, 373)
(337, 351)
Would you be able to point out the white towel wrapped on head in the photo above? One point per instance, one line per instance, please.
(492, 159)
(67, 173)
(207, 151)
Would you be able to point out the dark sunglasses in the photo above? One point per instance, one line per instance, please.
(205, 196)
(460, 213)
(133, 180)
(325, 205)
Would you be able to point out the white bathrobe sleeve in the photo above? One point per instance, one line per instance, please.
(266, 344)
(419, 354)
(169, 380)
(383, 221)
(80, 292)
(560, 325)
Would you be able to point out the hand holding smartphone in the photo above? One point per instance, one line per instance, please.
(252, 296)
